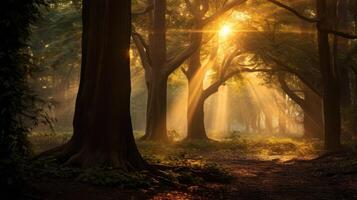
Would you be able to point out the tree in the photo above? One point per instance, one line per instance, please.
(154, 64)
(158, 66)
(310, 103)
(331, 95)
(102, 124)
(326, 12)
(290, 58)
(233, 65)
(157, 69)
(195, 72)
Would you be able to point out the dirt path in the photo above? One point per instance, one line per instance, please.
(274, 180)
(289, 180)
(259, 179)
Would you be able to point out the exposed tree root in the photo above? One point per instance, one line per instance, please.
(85, 159)
(81, 158)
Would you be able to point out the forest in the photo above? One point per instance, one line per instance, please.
(178, 99)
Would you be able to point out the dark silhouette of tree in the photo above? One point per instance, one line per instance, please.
(102, 124)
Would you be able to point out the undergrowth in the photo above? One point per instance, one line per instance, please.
(179, 163)
(176, 172)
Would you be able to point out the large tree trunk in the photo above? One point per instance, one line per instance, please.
(195, 105)
(313, 121)
(341, 46)
(196, 126)
(102, 124)
(331, 86)
(156, 128)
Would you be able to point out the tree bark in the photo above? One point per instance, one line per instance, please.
(195, 110)
(102, 124)
(331, 86)
(156, 78)
(156, 128)
(341, 22)
(196, 127)
(195, 106)
(313, 121)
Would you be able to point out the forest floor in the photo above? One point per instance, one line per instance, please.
(261, 169)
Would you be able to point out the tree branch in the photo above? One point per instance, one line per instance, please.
(229, 5)
(293, 11)
(339, 33)
(227, 62)
(143, 49)
(215, 86)
(285, 87)
(313, 20)
(174, 63)
(296, 73)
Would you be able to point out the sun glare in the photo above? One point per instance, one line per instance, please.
(225, 31)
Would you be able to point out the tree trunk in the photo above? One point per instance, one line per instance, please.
(345, 84)
(331, 86)
(313, 121)
(341, 46)
(102, 124)
(195, 110)
(196, 126)
(195, 105)
(156, 128)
